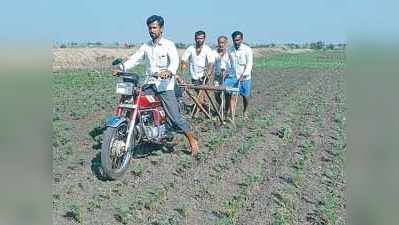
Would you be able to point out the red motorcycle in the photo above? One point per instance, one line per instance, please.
(138, 118)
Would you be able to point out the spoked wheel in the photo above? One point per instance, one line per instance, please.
(115, 156)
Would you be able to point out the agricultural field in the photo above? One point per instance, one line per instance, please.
(285, 165)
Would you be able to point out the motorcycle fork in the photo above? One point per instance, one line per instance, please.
(132, 125)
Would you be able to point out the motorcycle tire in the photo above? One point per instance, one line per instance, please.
(113, 169)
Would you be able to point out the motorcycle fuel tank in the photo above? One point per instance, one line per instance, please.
(148, 101)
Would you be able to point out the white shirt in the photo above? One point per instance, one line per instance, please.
(223, 62)
(157, 57)
(198, 63)
(242, 61)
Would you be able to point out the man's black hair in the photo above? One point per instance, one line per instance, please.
(236, 33)
(154, 18)
(200, 32)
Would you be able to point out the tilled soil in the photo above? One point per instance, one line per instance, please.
(284, 165)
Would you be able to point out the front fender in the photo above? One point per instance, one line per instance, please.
(114, 121)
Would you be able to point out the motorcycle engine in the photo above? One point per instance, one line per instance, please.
(151, 131)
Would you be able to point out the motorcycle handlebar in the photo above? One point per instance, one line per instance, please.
(126, 74)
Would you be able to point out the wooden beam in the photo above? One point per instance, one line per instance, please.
(198, 104)
(214, 106)
(203, 87)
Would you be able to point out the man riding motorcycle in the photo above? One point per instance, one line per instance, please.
(161, 58)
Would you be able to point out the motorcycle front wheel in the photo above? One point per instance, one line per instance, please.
(115, 155)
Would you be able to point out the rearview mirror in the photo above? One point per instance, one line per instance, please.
(117, 61)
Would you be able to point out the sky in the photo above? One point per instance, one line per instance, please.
(261, 21)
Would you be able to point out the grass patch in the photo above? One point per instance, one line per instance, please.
(149, 199)
(123, 214)
(75, 211)
(138, 169)
(185, 162)
(228, 213)
(311, 60)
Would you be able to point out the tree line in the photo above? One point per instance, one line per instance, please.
(318, 45)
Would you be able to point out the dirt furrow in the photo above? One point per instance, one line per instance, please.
(260, 210)
(207, 185)
(248, 174)
(201, 184)
(157, 169)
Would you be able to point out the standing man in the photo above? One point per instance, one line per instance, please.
(242, 57)
(223, 71)
(200, 59)
(161, 58)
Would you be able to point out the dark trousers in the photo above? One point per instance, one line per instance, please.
(174, 117)
(151, 90)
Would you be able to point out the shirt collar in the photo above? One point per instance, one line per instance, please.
(239, 48)
(160, 42)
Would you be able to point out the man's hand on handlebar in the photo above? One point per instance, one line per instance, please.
(116, 72)
(164, 74)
